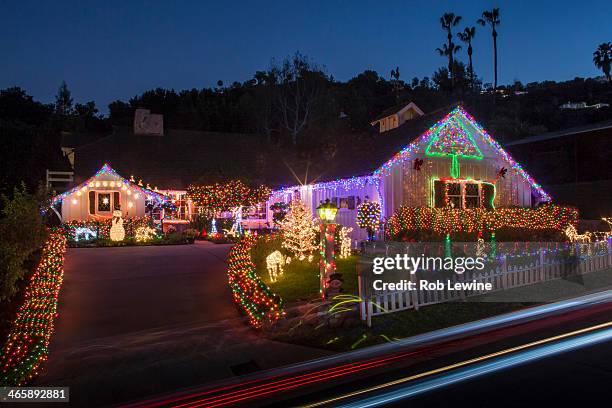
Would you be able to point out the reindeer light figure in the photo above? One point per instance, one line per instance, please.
(573, 235)
(274, 264)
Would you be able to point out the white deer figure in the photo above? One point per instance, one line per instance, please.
(274, 263)
(574, 236)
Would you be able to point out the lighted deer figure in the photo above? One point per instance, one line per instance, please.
(274, 263)
(574, 236)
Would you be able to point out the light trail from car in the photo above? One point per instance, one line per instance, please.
(474, 367)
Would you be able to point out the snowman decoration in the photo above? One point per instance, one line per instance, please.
(117, 232)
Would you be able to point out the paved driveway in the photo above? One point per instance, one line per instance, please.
(137, 321)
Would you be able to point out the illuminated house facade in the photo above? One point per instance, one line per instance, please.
(450, 162)
(454, 163)
(102, 194)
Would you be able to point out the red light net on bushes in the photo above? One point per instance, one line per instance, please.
(250, 293)
(28, 342)
(448, 220)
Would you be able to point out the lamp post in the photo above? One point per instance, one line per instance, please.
(327, 264)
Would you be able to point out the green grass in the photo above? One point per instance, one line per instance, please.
(300, 280)
(390, 327)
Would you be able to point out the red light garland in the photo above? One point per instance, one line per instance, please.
(27, 346)
(250, 293)
(449, 220)
(221, 197)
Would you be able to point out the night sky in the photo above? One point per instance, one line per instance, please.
(107, 50)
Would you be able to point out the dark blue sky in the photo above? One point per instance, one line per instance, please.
(107, 50)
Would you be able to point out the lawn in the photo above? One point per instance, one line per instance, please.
(300, 281)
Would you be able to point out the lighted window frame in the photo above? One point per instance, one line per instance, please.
(462, 197)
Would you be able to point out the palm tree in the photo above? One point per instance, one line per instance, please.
(448, 21)
(602, 57)
(491, 17)
(466, 36)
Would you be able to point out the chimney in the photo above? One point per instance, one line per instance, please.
(147, 123)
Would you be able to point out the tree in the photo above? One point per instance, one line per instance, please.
(63, 100)
(602, 58)
(448, 21)
(466, 36)
(491, 17)
(301, 88)
(395, 80)
(298, 230)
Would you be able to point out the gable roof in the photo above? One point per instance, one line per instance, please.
(401, 107)
(460, 113)
(108, 170)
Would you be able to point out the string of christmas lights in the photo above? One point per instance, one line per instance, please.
(102, 227)
(27, 345)
(407, 152)
(368, 217)
(119, 183)
(250, 293)
(447, 220)
(221, 197)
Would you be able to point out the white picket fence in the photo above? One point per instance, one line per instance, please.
(505, 272)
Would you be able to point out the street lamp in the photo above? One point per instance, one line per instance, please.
(327, 264)
(327, 211)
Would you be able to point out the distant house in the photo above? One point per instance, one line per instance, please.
(582, 105)
(396, 116)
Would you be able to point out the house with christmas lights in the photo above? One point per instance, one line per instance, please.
(101, 195)
(440, 160)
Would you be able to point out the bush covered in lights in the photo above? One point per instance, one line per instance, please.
(425, 223)
(250, 293)
(27, 345)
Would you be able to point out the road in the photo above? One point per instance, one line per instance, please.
(577, 378)
(138, 321)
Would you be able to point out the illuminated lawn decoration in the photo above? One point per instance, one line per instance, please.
(446, 220)
(298, 231)
(274, 264)
(573, 235)
(250, 293)
(144, 234)
(85, 234)
(345, 242)
(28, 342)
(368, 217)
(452, 139)
(117, 232)
(101, 228)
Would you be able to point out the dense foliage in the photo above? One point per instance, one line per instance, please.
(22, 233)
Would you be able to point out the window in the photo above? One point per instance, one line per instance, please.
(116, 201)
(463, 194)
(254, 212)
(453, 195)
(472, 195)
(104, 202)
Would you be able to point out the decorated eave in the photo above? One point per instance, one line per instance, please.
(407, 152)
(120, 183)
(345, 184)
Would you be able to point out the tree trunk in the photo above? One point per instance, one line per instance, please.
(471, 67)
(495, 59)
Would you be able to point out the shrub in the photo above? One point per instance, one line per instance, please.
(22, 232)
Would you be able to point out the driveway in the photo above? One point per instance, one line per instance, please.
(138, 321)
